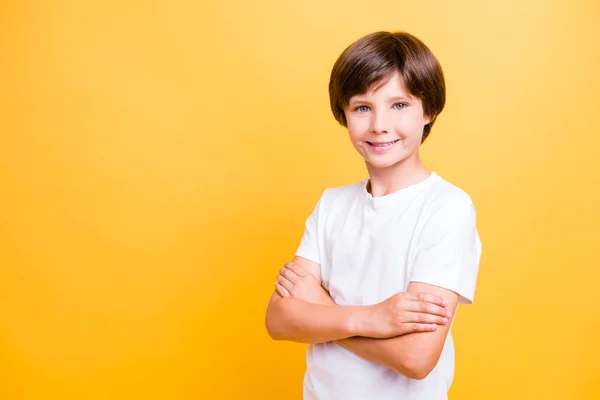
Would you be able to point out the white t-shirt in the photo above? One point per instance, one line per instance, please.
(372, 248)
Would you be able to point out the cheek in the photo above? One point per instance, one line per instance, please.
(410, 125)
(356, 130)
(355, 139)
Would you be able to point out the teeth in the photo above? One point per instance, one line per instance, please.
(387, 144)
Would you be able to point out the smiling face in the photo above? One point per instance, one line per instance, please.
(386, 123)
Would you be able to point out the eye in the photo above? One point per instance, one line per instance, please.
(399, 106)
(362, 109)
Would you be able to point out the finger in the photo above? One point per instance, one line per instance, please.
(285, 283)
(417, 327)
(283, 292)
(431, 298)
(411, 296)
(422, 318)
(297, 269)
(288, 274)
(427, 308)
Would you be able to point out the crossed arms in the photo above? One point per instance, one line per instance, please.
(405, 332)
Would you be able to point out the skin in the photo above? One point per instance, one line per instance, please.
(386, 113)
(407, 331)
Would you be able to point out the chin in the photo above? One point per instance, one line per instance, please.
(384, 162)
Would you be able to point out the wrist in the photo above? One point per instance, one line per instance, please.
(359, 321)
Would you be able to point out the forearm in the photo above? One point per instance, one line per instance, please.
(399, 353)
(300, 321)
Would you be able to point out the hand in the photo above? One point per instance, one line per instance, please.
(294, 281)
(405, 313)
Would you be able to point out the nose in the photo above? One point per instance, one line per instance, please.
(379, 123)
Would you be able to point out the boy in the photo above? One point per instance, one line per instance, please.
(384, 263)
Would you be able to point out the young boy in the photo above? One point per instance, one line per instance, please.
(383, 263)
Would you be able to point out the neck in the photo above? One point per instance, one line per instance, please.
(384, 181)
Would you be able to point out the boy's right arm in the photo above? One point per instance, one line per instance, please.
(300, 321)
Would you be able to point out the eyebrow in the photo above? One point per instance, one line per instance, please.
(408, 98)
(358, 99)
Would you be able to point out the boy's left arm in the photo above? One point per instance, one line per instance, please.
(448, 260)
(415, 354)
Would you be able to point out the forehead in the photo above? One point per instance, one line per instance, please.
(391, 85)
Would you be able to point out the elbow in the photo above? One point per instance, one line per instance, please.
(415, 367)
(273, 325)
(420, 373)
(273, 329)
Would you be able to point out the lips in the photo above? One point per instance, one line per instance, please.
(383, 144)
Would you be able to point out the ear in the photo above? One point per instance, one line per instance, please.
(427, 119)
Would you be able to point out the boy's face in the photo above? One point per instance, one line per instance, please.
(386, 123)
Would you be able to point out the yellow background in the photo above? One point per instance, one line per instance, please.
(158, 160)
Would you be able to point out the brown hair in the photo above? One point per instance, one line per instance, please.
(374, 57)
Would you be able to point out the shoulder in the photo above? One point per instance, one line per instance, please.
(334, 195)
(448, 205)
(449, 217)
(334, 200)
(444, 195)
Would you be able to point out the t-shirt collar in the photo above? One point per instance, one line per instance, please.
(383, 201)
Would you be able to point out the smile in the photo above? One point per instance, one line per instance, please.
(383, 145)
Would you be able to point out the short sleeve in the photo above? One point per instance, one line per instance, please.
(449, 250)
(309, 245)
